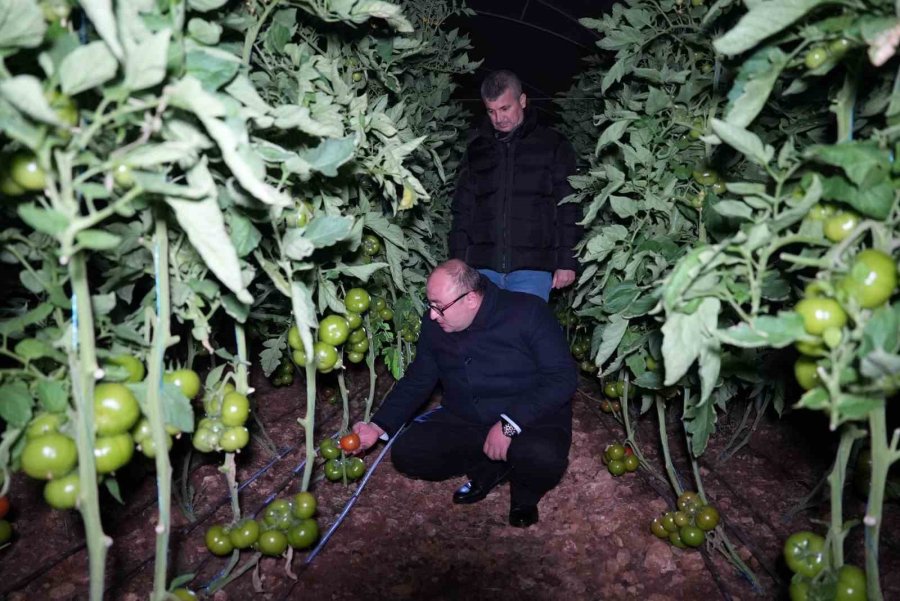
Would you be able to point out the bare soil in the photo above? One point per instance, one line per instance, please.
(404, 539)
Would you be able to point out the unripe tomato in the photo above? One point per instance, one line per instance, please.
(851, 584)
(657, 528)
(329, 449)
(8, 186)
(692, 536)
(815, 58)
(334, 470)
(64, 107)
(359, 347)
(6, 532)
(205, 440)
(123, 176)
(303, 214)
(806, 374)
(804, 553)
(235, 409)
(26, 173)
(839, 225)
(668, 522)
(244, 534)
(50, 456)
(148, 447)
(334, 330)
(611, 390)
(186, 380)
(115, 409)
(185, 594)
(113, 452)
(705, 176)
(279, 514)
(819, 314)
(707, 517)
(304, 505)
(62, 493)
(303, 534)
(234, 438)
(354, 357)
(299, 357)
(688, 499)
(354, 320)
(357, 300)
(355, 467)
(632, 463)
(616, 467)
(720, 189)
(675, 539)
(294, 340)
(819, 212)
(132, 365)
(839, 47)
(43, 424)
(615, 451)
(386, 314)
(325, 356)
(272, 543)
(872, 278)
(371, 245)
(218, 540)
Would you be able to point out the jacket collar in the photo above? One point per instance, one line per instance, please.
(487, 308)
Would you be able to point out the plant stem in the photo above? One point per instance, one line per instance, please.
(370, 362)
(836, 481)
(308, 423)
(342, 385)
(664, 441)
(155, 411)
(253, 33)
(82, 366)
(229, 468)
(882, 457)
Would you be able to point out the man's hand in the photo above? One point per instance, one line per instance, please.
(368, 435)
(496, 444)
(563, 278)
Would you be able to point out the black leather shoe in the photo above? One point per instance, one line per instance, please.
(472, 491)
(523, 516)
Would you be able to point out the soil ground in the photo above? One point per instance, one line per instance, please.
(404, 539)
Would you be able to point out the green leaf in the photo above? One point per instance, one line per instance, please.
(206, 6)
(97, 240)
(46, 221)
(328, 230)
(873, 200)
(26, 94)
(244, 235)
(100, 13)
(764, 19)
(304, 314)
(744, 141)
(766, 331)
(879, 364)
(21, 24)
(611, 134)
(16, 325)
(753, 85)
(212, 67)
(52, 396)
(145, 65)
(854, 407)
(328, 156)
(75, 78)
(32, 348)
(686, 336)
(700, 423)
(16, 127)
(361, 272)
(297, 246)
(202, 221)
(112, 487)
(204, 31)
(619, 297)
(858, 160)
(733, 208)
(392, 13)
(882, 330)
(15, 409)
(271, 355)
(610, 337)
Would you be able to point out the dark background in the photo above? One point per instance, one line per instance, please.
(540, 40)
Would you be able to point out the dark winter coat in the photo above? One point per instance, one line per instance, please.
(506, 211)
(513, 359)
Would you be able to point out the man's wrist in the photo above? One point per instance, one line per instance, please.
(509, 428)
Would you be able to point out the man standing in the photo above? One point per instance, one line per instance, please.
(507, 220)
(508, 378)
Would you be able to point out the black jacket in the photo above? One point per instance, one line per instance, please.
(506, 211)
(513, 359)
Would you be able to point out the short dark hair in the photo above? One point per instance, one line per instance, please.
(498, 82)
(464, 276)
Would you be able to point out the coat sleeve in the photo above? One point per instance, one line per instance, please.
(461, 211)
(414, 388)
(568, 232)
(558, 372)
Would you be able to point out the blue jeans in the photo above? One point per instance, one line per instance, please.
(524, 280)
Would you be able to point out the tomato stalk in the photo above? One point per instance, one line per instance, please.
(161, 340)
(342, 386)
(630, 434)
(308, 423)
(229, 468)
(664, 441)
(83, 366)
(370, 362)
(883, 455)
(837, 533)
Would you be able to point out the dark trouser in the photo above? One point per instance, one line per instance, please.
(439, 445)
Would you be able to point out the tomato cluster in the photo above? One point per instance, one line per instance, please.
(222, 427)
(868, 284)
(804, 554)
(284, 522)
(339, 467)
(619, 459)
(686, 527)
(284, 375)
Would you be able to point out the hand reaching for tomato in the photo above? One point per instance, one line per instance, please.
(368, 435)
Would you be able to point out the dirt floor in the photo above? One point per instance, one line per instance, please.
(404, 539)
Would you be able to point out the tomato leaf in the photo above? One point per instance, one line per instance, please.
(327, 230)
(100, 13)
(15, 326)
(52, 396)
(700, 423)
(112, 485)
(744, 141)
(754, 83)
(21, 24)
(685, 337)
(271, 355)
(765, 331)
(212, 67)
(362, 272)
(74, 78)
(205, 6)
(97, 240)
(145, 64)
(764, 19)
(32, 348)
(879, 364)
(46, 221)
(607, 339)
(26, 94)
(17, 403)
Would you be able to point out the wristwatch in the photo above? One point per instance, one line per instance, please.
(509, 430)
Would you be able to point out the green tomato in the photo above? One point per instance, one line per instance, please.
(304, 505)
(357, 335)
(186, 380)
(705, 176)
(279, 514)
(815, 58)
(326, 356)
(357, 300)
(26, 172)
(611, 390)
(334, 470)
(720, 189)
(615, 451)
(354, 357)
(62, 493)
(334, 330)
(386, 314)
(294, 340)
(819, 314)
(205, 440)
(234, 439)
(799, 589)
(632, 463)
(244, 534)
(359, 347)
(851, 584)
(299, 357)
(872, 278)
(356, 467)
(675, 539)
(303, 534)
(122, 176)
(218, 540)
(272, 543)
(132, 365)
(657, 528)
(354, 320)
(44, 423)
(113, 452)
(8, 186)
(681, 518)
(804, 553)
(184, 594)
(50, 456)
(838, 226)
(707, 517)
(235, 409)
(819, 212)
(378, 303)
(811, 349)
(692, 536)
(806, 374)
(148, 447)
(616, 467)
(668, 522)
(64, 107)
(839, 47)
(115, 409)
(329, 449)
(6, 532)
(371, 245)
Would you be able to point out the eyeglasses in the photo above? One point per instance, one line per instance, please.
(440, 310)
